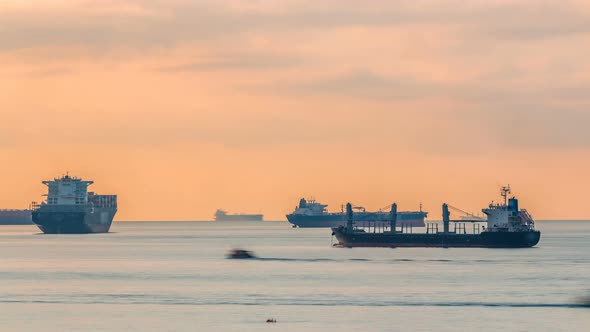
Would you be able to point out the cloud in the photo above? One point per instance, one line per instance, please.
(235, 61)
(509, 71)
(536, 125)
(141, 25)
(50, 72)
(230, 128)
(465, 116)
(362, 83)
(530, 21)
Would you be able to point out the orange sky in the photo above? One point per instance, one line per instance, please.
(183, 107)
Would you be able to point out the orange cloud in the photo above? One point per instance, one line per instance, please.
(182, 108)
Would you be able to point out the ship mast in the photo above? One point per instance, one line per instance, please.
(504, 192)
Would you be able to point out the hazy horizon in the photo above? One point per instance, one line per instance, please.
(184, 107)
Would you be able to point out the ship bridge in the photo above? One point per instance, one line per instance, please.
(67, 190)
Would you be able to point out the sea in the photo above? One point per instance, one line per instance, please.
(173, 276)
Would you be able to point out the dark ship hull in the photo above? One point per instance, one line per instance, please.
(322, 221)
(333, 220)
(73, 220)
(524, 239)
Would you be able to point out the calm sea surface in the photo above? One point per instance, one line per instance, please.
(173, 277)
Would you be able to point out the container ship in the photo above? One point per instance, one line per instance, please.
(71, 209)
(15, 217)
(508, 227)
(221, 215)
(310, 213)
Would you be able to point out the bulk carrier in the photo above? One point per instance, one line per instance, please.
(71, 209)
(310, 213)
(508, 227)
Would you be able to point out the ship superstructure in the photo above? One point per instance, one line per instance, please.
(310, 213)
(508, 227)
(70, 208)
(310, 208)
(222, 215)
(506, 216)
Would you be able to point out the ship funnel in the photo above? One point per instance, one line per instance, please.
(393, 217)
(513, 204)
(302, 203)
(349, 217)
(446, 217)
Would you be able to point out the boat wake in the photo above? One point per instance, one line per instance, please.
(276, 259)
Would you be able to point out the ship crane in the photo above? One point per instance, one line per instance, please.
(357, 207)
(385, 208)
(467, 217)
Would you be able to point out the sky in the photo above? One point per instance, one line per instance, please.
(183, 107)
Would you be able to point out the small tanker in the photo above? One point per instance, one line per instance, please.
(508, 227)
